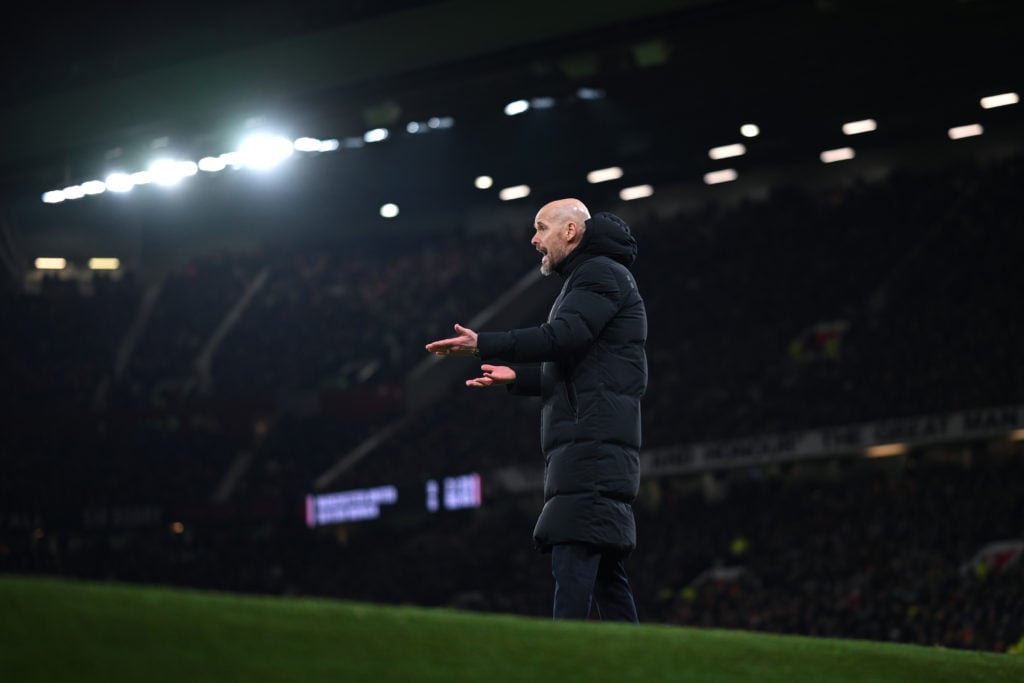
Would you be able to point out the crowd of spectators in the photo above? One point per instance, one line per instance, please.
(798, 311)
(879, 550)
(58, 345)
(192, 302)
(917, 274)
(339, 318)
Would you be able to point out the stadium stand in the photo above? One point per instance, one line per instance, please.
(802, 310)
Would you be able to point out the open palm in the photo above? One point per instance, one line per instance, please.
(493, 375)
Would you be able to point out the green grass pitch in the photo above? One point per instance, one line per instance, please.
(57, 630)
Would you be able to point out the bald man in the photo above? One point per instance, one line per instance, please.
(589, 366)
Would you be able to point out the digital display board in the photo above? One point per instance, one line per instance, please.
(459, 492)
(348, 506)
(356, 505)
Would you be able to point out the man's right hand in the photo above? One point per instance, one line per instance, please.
(494, 375)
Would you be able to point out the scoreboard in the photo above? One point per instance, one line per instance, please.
(356, 505)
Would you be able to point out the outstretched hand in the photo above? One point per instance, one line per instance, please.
(462, 345)
(494, 375)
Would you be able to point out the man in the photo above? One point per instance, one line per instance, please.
(591, 376)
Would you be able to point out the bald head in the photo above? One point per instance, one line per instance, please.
(559, 229)
(563, 211)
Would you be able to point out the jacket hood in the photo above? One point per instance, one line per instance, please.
(606, 235)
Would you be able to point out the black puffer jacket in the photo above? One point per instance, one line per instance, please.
(592, 375)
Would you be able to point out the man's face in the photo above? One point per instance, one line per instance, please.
(549, 238)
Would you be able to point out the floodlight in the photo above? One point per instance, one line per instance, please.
(724, 176)
(307, 145)
(170, 171)
(516, 107)
(104, 264)
(858, 127)
(212, 164)
(94, 187)
(602, 175)
(265, 151)
(727, 151)
(514, 192)
(50, 263)
(636, 192)
(119, 182)
(832, 155)
(968, 131)
(1005, 99)
(141, 177)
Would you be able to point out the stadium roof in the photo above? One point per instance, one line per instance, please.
(680, 77)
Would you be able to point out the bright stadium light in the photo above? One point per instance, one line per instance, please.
(170, 171)
(233, 159)
(516, 107)
(603, 175)
(329, 145)
(50, 263)
(727, 151)
(307, 145)
(212, 164)
(514, 192)
(142, 177)
(414, 127)
(858, 127)
(100, 263)
(376, 135)
(94, 187)
(726, 175)
(590, 93)
(265, 151)
(968, 131)
(74, 192)
(750, 130)
(628, 194)
(441, 122)
(483, 182)
(1003, 100)
(119, 182)
(53, 197)
(832, 155)
(389, 210)
(542, 102)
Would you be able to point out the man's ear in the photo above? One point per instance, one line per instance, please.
(571, 230)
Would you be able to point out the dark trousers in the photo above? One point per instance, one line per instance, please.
(584, 576)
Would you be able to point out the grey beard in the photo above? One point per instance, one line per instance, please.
(545, 269)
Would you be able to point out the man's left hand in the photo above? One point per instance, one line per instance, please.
(462, 345)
